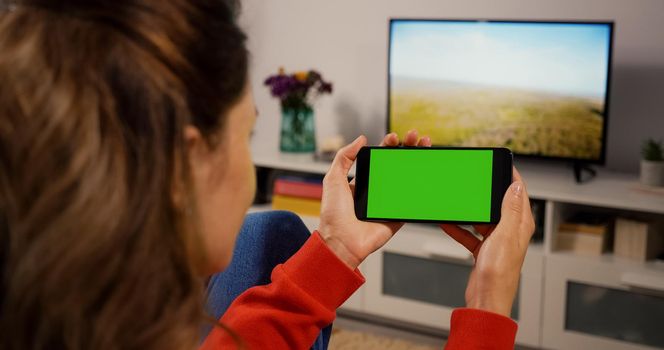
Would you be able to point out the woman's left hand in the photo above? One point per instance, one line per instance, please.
(351, 239)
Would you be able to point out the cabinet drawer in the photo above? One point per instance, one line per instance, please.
(420, 277)
(603, 304)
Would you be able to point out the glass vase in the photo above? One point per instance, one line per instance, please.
(297, 130)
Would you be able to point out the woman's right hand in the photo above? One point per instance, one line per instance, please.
(350, 239)
(494, 279)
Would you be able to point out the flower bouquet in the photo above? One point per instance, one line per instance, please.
(297, 92)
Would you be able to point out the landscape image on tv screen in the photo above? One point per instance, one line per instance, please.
(536, 88)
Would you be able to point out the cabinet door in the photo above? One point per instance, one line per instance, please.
(355, 302)
(421, 275)
(602, 304)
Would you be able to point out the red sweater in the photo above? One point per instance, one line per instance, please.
(305, 292)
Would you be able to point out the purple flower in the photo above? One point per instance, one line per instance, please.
(296, 92)
(325, 88)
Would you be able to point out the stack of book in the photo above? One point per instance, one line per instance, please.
(585, 234)
(301, 195)
(638, 240)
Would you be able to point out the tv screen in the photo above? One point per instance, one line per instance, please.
(538, 88)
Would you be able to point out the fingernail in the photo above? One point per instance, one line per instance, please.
(518, 189)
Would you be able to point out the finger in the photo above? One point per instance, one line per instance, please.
(513, 207)
(394, 226)
(484, 230)
(462, 236)
(425, 141)
(391, 140)
(527, 219)
(517, 206)
(411, 138)
(516, 176)
(345, 158)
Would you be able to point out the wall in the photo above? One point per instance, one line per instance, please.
(347, 41)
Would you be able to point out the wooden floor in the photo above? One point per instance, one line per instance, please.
(354, 331)
(349, 333)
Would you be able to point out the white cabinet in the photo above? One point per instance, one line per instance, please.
(356, 302)
(564, 301)
(420, 277)
(602, 303)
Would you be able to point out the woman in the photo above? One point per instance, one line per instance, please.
(125, 174)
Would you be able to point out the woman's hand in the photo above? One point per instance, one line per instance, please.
(351, 239)
(494, 279)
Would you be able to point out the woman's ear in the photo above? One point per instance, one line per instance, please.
(198, 151)
(192, 140)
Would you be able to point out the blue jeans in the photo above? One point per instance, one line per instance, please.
(266, 240)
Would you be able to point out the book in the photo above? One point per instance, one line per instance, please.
(585, 233)
(294, 187)
(299, 205)
(583, 228)
(581, 243)
(638, 240)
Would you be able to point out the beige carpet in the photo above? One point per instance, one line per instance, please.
(343, 339)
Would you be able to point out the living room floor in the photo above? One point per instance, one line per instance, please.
(352, 331)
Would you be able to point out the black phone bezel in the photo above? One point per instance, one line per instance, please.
(501, 178)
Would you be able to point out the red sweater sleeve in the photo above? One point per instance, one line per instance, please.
(304, 295)
(290, 312)
(477, 329)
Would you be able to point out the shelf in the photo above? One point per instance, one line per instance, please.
(608, 258)
(547, 182)
(294, 162)
(608, 189)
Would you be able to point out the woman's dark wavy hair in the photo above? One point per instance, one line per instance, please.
(94, 97)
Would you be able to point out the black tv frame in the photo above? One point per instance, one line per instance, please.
(578, 162)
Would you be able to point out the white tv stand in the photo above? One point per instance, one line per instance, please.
(555, 286)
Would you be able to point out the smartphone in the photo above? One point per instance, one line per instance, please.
(432, 184)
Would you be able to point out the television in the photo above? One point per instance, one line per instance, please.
(539, 88)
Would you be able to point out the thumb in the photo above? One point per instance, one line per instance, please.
(345, 157)
(512, 207)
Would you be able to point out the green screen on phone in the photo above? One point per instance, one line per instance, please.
(452, 185)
